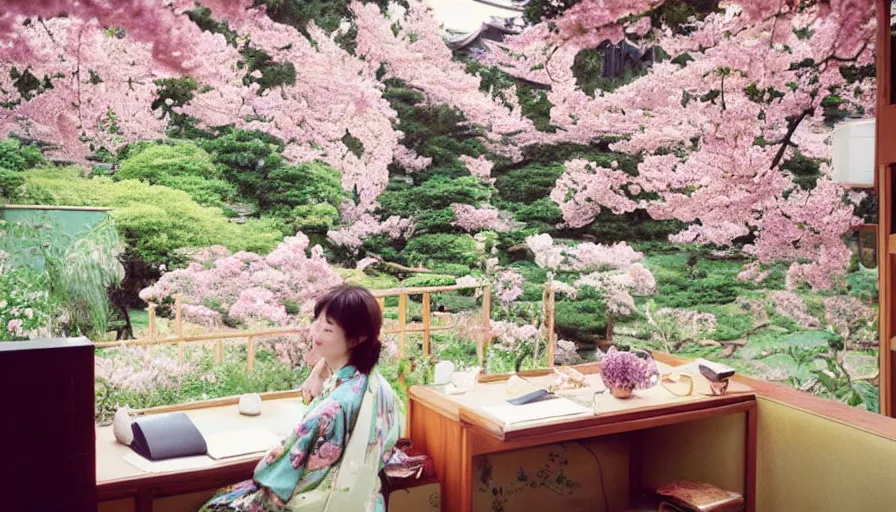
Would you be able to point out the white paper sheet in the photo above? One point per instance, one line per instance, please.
(287, 418)
(234, 443)
(555, 408)
(163, 466)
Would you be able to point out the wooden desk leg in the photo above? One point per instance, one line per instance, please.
(635, 465)
(465, 492)
(143, 501)
(750, 459)
(447, 442)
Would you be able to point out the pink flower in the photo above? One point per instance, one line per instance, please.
(248, 287)
(328, 413)
(509, 286)
(626, 370)
(15, 326)
(485, 217)
(479, 167)
(792, 306)
(324, 457)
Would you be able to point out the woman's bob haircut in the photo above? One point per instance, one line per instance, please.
(357, 312)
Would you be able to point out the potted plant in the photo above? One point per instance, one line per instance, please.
(624, 372)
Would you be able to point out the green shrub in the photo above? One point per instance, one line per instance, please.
(863, 285)
(455, 302)
(441, 247)
(453, 269)
(382, 246)
(302, 184)
(10, 157)
(583, 319)
(183, 167)
(543, 213)
(536, 106)
(731, 323)
(528, 184)
(435, 221)
(377, 281)
(314, 218)
(687, 293)
(435, 131)
(419, 280)
(154, 221)
(10, 183)
(532, 292)
(133, 149)
(253, 162)
(16, 156)
(158, 161)
(207, 192)
(804, 171)
(632, 227)
(531, 272)
(246, 158)
(434, 194)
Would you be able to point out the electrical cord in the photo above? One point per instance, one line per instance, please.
(600, 471)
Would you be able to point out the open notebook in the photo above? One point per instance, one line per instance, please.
(554, 408)
(234, 443)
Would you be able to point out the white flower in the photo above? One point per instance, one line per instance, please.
(466, 281)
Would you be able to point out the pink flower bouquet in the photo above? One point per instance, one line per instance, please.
(623, 372)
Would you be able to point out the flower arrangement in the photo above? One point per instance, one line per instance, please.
(623, 372)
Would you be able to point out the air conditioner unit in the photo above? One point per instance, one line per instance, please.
(853, 158)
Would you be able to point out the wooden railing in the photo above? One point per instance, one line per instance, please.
(427, 328)
(181, 340)
(402, 329)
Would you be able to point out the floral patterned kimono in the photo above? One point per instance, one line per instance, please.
(309, 457)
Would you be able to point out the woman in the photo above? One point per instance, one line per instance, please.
(345, 333)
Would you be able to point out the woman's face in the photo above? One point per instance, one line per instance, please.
(329, 339)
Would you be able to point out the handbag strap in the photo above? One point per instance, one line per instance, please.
(354, 475)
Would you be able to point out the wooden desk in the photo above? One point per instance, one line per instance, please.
(453, 429)
(117, 479)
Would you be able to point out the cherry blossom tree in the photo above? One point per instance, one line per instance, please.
(100, 89)
(360, 225)
(486, 217)
(153, 23)
(244, 287)
(614, 270)
(791, 305)
(713, 126)
(409, 47)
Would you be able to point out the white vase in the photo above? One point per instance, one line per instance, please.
(250, 404)
(121, 426)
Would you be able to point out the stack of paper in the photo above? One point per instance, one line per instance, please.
(245, 441)
(164, 466)
(554, 408)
